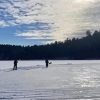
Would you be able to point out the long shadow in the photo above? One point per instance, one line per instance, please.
(31, 67)
(24, 68)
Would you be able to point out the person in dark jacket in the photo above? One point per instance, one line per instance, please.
(15, 64)
(46, 62)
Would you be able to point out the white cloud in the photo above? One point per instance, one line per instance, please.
(3, 24)
(32, 34)
(44, 38)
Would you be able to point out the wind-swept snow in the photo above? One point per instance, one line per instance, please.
(62, 80)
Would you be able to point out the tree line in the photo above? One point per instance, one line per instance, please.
(87, 47)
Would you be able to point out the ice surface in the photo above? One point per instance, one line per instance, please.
(62, 80)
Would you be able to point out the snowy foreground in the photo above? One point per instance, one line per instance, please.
(63, 80)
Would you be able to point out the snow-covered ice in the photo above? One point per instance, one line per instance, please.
(62, 80)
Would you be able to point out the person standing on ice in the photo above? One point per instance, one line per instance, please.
(15, 64)
(46, 62)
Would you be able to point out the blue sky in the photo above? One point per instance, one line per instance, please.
(29, 22)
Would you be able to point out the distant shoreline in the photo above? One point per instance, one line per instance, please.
(53, 59)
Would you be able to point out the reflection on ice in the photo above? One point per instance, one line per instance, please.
(87, 77)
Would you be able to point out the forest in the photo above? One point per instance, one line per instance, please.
(87, 47)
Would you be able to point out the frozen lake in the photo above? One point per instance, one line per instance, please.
(63, 80)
